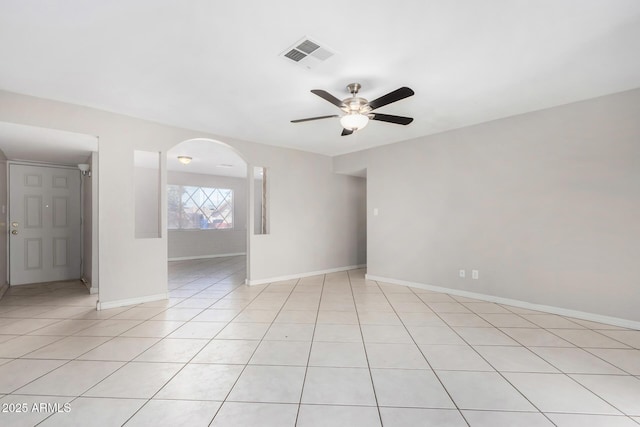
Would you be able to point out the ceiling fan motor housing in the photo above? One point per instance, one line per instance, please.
(356, 105)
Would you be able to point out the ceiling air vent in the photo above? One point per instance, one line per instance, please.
(307, 53)
(295, 55)
(307, 46)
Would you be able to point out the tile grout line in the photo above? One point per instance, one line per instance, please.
(552, 331)
(366, 353)
(124, 364)
(306, 369)
(196, 354)
(490, 364)
(246, 365)
(230, 288)
(105, 378)
(420, 350)
(560, 371)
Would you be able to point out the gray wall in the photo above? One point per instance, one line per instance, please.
(257, 205)
(4, 203)
(545, 205)
(203, 243)
(359, 200)
(307, 209)
(146, 183)
(88, 224)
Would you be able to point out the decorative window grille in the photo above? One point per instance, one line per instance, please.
(199, 208)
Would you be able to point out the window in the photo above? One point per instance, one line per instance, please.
(199, 208)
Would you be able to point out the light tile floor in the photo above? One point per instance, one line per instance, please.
(334, 350)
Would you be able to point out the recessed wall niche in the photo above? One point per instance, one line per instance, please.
(147, 194)
(261, 205)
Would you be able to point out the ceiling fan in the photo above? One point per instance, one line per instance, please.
(358, 111)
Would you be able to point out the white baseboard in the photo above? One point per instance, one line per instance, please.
(616, 321)
(301, 275)
(186, 258)
(87, 284)
(3, 288)
(131, 301)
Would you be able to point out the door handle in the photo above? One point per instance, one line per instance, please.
(14, 232)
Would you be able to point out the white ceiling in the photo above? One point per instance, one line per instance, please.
(207, 157)
(215, 66)
(35, 144)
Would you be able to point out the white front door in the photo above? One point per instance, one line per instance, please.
(44, 224)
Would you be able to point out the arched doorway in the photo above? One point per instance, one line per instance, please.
(207, 215)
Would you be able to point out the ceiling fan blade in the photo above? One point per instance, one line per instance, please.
(313, 118)
(399, 120)
(328, 97)
(346, 132)
(396, 95)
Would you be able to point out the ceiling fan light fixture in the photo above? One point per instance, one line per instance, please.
(358, 111)
(185, 160)
(354, 121)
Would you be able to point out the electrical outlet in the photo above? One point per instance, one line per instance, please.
(475, 274)
(462, 274)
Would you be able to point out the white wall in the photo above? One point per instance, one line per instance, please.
(545, 205)
(307, 232)
(205, 243)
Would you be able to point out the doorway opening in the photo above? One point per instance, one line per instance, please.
(207, 217)
(48, 197)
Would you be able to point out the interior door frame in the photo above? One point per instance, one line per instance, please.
(82, 213)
